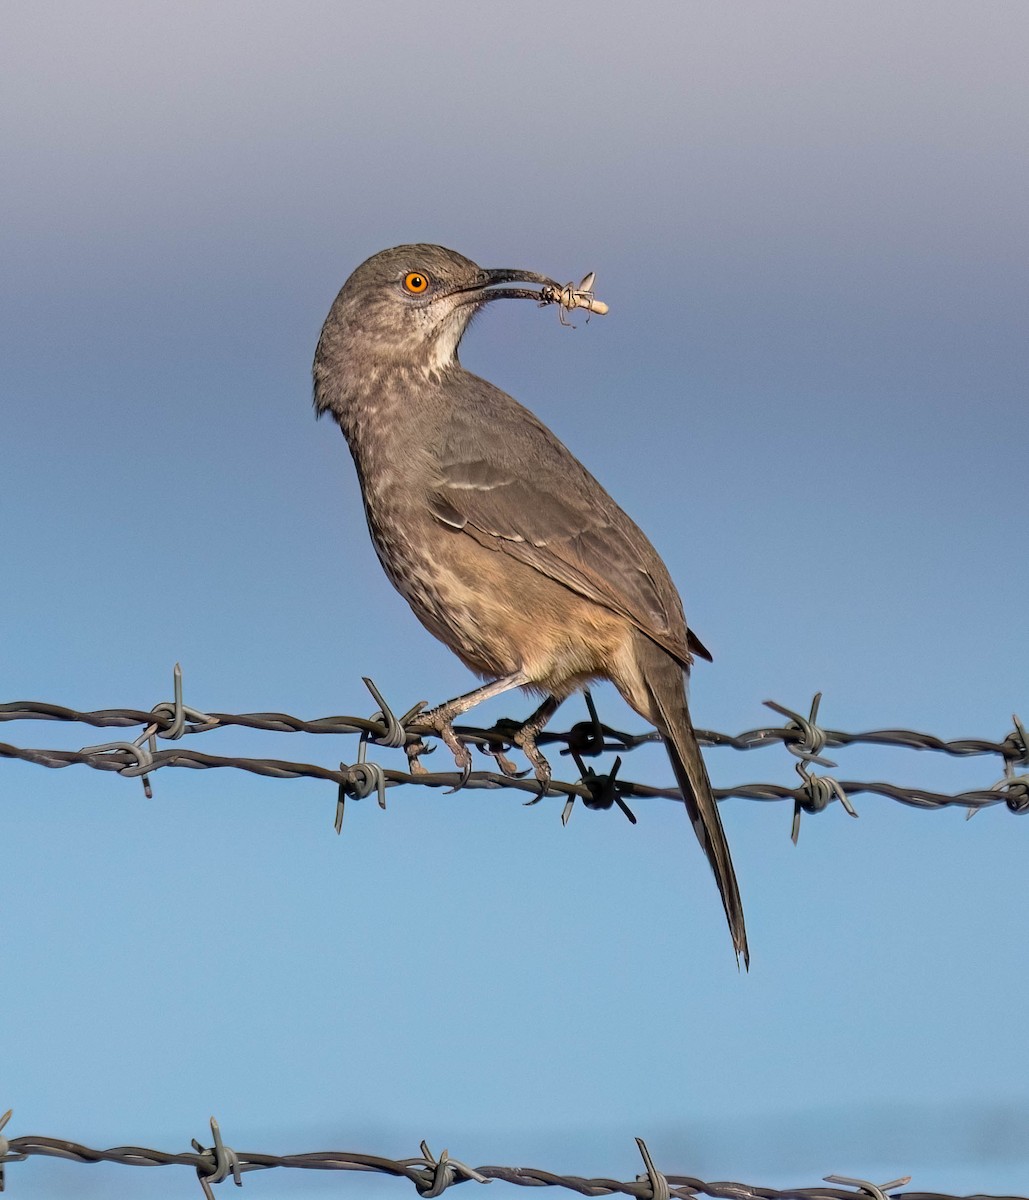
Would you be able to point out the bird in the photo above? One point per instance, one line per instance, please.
(503, 544)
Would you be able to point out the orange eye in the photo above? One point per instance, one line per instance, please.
(416, 283)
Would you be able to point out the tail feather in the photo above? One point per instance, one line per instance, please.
(664, 681)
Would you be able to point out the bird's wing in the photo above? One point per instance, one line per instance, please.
(506, 480)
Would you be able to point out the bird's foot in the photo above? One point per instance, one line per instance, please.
(440, 721)
(525, 740)
(414, 751)
(506, 766)
(508, 730)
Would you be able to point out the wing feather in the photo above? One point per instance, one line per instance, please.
(549, 512)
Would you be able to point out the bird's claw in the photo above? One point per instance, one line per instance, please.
(414, 751)
(525, 740)
(441, 723)
(506, 766)
(462, 757)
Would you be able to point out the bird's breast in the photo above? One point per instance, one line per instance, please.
(497, 614)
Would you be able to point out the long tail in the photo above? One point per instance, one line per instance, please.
(665, 682)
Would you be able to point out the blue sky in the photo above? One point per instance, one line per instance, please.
(810, 222)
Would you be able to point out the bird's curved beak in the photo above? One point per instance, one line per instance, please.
(568, 295)
(485, 289)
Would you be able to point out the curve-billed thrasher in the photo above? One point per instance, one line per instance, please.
(505, 546)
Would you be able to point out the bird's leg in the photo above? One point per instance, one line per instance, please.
(525, 739)
(441, 719)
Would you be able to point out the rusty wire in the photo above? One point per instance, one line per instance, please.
(431, 1176)
(801, 735)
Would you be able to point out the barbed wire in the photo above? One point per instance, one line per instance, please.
(802, 736)
(431, 1176)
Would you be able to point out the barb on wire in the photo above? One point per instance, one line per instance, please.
(876, 1191)
(7, 1155)
(359, 782)
(1013, 788)
(431, 1176)
(219, 1162)
(586, 738)
(604, 790)
(170, 723)
(818, 792)
(812, 739)
(802, 736)
(658, 1182)
(445, 1171)
(1019, 741)
(395, 733)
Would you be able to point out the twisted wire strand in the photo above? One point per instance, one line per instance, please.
(120, 760)
(431, 1176)
(750, 739)
(802, 736)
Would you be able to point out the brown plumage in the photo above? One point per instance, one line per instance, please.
(504, 545)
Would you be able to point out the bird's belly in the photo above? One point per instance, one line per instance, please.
(497, 614)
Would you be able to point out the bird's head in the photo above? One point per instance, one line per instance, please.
(406, 307)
